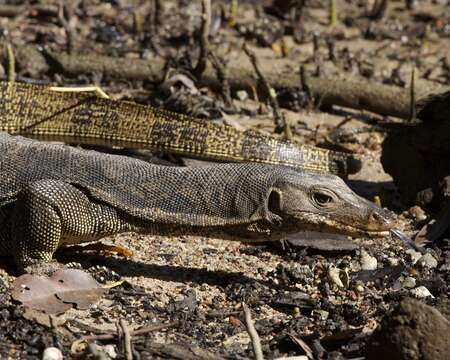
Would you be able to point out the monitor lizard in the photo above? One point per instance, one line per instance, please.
(83, 118)
(52, 195)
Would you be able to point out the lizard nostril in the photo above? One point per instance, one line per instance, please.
(382, 218)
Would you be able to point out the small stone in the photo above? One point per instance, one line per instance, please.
(421, 292)
(413, 255)
(323, 315)
(353, 295)
(52, 353)
(427, 261)
(393, 261)
(338, 276)
(409, 282)
(368, 262)
(359, 288)
(110, 350)
(242, 95)
(417, 213)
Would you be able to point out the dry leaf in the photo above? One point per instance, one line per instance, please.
(57, 294)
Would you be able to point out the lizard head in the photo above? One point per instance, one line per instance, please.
(325, 203)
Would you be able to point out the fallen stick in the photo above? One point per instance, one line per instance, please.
(126, 339)
(353, 93)
(142, 331)
(256, 342)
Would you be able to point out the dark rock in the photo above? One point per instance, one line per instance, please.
(416, 156)
(412, 331)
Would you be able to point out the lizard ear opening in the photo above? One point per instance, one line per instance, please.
(274, 202)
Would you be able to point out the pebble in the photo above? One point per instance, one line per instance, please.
(242, 95)
(393, 261)
(368, 262)
(421, 292)
(110, 350)
(52, 353)
(417, 213)
(409, 282)
(413, 255)
(428, 261)
(323, 315)
(338, 276)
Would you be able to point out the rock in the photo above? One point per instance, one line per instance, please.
(409, 282)
(338, 276)
(428, 261)
(322, 314)
(393, 261)
(52, 353)
(421, 292)
(368, 262)
(242, 95)
(417, 156)
(412, 331)
(417, 213)
(414, 255)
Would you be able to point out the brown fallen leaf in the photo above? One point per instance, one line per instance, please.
(63, 290)
(42, 318)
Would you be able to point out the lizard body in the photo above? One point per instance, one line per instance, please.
(52, 195)
(82, 118)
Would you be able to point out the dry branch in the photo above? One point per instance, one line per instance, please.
(204, 38)
(352, 93)
(256, 342)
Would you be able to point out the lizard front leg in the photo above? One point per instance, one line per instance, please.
(49, 213)
(35, 229)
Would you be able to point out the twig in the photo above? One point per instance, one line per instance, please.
(11, 63)
(142, 331)
(340, 91)
(203, 38)
(304, 86)
(63, 8)
(158, 12)
(97, 89)
(316, 54)
(233, 13)
(412, 92)
(256, 342)
(126, 339)
(280, 123)
(222, 76)
(378, 10)
(27, 10)
(333, 13)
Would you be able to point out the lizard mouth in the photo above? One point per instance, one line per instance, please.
(325, 224)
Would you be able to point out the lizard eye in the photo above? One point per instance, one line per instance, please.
(322, 199)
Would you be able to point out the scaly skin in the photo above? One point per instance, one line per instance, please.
(51, 195)
(38, 112)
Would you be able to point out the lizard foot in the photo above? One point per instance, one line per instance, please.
(103, 275)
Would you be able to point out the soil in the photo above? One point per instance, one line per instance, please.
(200, 283)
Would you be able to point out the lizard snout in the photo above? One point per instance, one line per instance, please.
(381, 220)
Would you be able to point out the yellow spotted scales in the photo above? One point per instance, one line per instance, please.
(81, 117)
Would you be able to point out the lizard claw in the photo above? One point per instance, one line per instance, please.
(102, 274)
